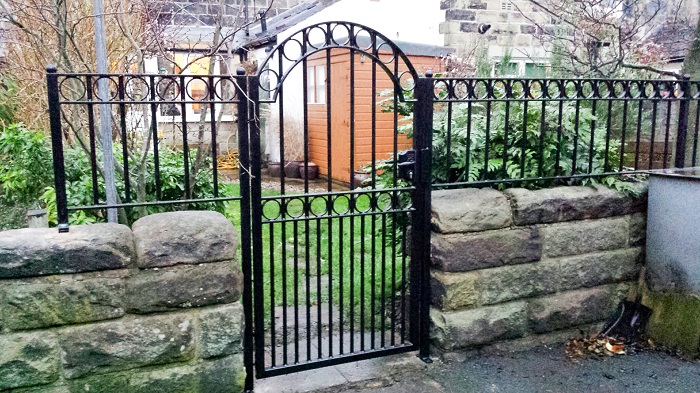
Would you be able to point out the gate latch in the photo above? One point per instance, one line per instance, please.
(407, 164)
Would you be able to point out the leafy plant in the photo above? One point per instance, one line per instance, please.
(27, 165)
(79, 187)
(502, 140)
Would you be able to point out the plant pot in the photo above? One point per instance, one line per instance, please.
(359, 178)
(275, 169)
(291, 169)
(311, 174)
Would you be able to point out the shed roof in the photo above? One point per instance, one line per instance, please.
(408, 48)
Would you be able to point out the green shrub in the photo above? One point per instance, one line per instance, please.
(540, 149)
(79, 186)
(26, 168)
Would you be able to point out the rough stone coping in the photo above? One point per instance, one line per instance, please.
(572, 203)
(470, 210)
(42, 251)
(187, 237)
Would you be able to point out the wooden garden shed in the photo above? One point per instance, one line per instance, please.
(422, 57)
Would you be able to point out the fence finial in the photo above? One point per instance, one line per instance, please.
(240, 71)
(51, 68)
(429, 74)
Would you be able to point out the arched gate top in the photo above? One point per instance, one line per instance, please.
(338, 35)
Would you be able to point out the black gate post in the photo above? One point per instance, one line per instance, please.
(683, 114)
(246, 262)
(59, 171)
(420, 242)
(256, 211)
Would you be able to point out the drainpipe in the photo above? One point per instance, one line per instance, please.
(245, 13)
(263, 21)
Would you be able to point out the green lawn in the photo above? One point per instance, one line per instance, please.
(361, 254)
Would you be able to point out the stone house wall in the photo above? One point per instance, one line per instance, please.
(532, 266)
(107, 309)
(203, 12)
(511, 29)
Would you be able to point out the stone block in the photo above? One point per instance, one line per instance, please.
(528, 29)
(638, 229)
(172, 380)
(477, 5)
(186, 237)
(69, 300)
(454, 291)
(582, 237)
(465, 252)
(53, 388)
(457, 14)
(600, 268)
(108, 383)
(42, 251)
(446, 4)
(221, 330)
(223, 375)
(126, 343)
(469, 210)
(508, 283)
(167, 289)
(180, 379)
(28, 359)
(464, 329)
(449, 27)
(572, 203)
(572, 308)
(469, 27)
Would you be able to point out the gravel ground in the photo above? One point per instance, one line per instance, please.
(547, 370)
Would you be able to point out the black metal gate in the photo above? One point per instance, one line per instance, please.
(340, 265)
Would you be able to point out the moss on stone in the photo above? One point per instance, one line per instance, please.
(675, 321)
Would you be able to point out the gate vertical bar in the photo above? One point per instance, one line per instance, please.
(420, 240)
(59, 170)
(244, 179)
(683, 115)
(257, 216)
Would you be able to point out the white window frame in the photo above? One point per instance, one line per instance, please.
(316, 84)
(192, 116)
(521, 67)
(506, 5)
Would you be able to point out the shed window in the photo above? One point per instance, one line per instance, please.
(506, 5)
(316, 84)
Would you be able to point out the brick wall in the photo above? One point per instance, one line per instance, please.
(521, 264)
(107, 309)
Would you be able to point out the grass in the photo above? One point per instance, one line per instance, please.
(358, 257)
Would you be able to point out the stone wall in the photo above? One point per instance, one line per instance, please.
(511, 27)
(521, 264)
(107, 309)
(204, 12)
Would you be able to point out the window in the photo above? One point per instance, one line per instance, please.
(192, 64)
(196, 89)
(506, 5)
(521, 68)
(536, 70)
(316, 84)
(510, 69)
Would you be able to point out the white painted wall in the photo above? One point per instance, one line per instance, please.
(405, 20)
